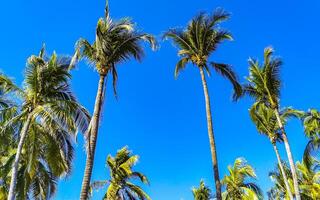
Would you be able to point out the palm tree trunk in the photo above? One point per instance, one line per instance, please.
(92, 140)
(285, 179)
(290, 157)
(15, 164)
(211, 137)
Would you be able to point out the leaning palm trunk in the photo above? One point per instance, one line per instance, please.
(290, 157)
(211, 137)
(285, 179)
(92, 139)
(15, 165)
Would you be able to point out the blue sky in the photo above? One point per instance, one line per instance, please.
(158, 117)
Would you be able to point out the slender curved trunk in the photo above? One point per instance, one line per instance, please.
(92, 140)
(285, 179)
(290, 157)
(15, 164)
(211, 137)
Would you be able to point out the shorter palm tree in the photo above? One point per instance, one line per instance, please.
(237, 186)
(120, 188)
(202, 192)
(264, 86)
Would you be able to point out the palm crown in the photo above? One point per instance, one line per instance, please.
(199, 40)
(264, 80)
(201, 193)
(311, 122)
(120, 173)
(236, 183)
(265, 120)
(115, 42)
(47, 93)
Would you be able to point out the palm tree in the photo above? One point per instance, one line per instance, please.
(264, 86)
(266, 123)
(279, 191)
(309, 175)
(201, 193)
(120, 188)
(47, 99)
(237, 186)
(197, 43)
(116, 42)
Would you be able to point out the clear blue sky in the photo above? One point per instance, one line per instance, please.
(162, 119)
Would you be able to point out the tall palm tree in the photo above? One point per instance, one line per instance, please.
(46, 98)
(264, 86)
(237, 186)
(116, 42)
(197, 42)
(266, 123)
(201, 193)
(120, 188)
(279, 191)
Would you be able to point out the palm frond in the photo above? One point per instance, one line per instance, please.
(226, 71)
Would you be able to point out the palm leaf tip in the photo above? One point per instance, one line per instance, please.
(220, 15)
(106, 10)
(151, 40)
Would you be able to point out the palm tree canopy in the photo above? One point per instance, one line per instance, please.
(265, 120)
(116, 42)
(199, 40)
(47, 93)
(201, 193)
(120, 173)
(264, 79)
(237, 186)
(311, 123)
